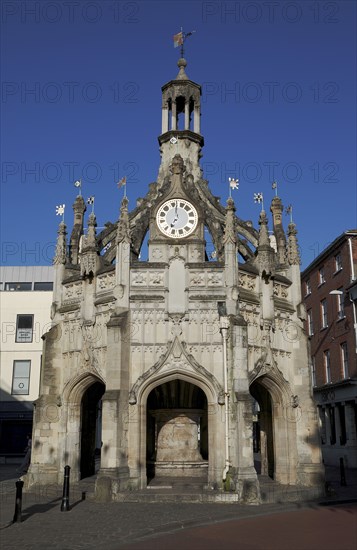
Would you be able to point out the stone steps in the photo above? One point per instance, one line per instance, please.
(166, 489)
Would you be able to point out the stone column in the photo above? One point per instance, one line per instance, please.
(187, 114)
(173, 116)
(165, 119)
(197, 120)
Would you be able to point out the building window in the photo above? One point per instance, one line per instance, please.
(327, 366)
(331, 413)
(43, 286)
(313, 371)
(340, 304)
(24, 328)
(338, 262)
(342, 419)
(307, 287)
(322, 276)
(344, 359)
(21, 378)
(323, 305)
(310, 325)
(18, 286)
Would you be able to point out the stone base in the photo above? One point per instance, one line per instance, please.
(177, 468)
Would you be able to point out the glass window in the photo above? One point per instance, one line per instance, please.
(331, 413)
(322, 276)
(24, 328)
(338, 262)
(18, 286)
(340, 304)
(327, 366)
(344, 359)
(307, 287)
(313, 371)
(324, 313)
(43, 286)
(21, 378)
(310, 324)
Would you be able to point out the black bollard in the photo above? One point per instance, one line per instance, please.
(342, 473)
(65, 497)
(18, 502)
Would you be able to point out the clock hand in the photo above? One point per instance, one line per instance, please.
(174, 221)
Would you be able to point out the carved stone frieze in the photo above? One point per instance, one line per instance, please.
(280, 291)
(139, 278)
(197, 279)
(73, 291)
(214, 279)
(247, 281)
(156, 278)
(105, 282)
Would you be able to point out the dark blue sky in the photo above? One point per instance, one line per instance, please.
(81, 98)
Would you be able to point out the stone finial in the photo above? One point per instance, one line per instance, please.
(263, 231)
(90, 239)
(182, 63)
(265, 254)
(230, 230)
(61, 246)
(276, 209)
(89, 253)
(123, 230)
(293, 247)
(79, 208)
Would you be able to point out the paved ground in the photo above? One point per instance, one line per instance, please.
(90, 525)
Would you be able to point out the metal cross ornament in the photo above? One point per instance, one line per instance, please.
(258, 198)
(60, 210)
(233, 184)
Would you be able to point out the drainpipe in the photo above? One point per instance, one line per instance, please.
(351, 259)
(224, 326)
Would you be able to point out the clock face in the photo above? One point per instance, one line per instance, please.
(177, 218)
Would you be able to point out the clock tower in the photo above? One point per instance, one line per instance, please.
(179, 362)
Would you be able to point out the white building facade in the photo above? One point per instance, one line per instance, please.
(26, 297)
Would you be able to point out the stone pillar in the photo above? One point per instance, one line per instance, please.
(197, 120)
(165, 119)
(246, 480)
(173, 116)
(187, 114)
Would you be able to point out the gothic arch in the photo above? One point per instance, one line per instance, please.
(272, 379)
(187, 369)
(280, 418)
(77, 386)
(205, 386)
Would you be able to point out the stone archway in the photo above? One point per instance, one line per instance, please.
(177, 431)
(90, 429)
(81, 399)
(277, 431)
(139, 424)
(263, 442)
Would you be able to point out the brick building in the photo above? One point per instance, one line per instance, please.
(329, 288)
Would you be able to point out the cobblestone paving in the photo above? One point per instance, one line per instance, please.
(90, 525)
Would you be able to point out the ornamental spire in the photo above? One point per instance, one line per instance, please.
(293, 247)
(230, 231)
(123, 230)
(61, 246)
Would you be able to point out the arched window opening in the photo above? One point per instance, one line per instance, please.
(180, 112)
